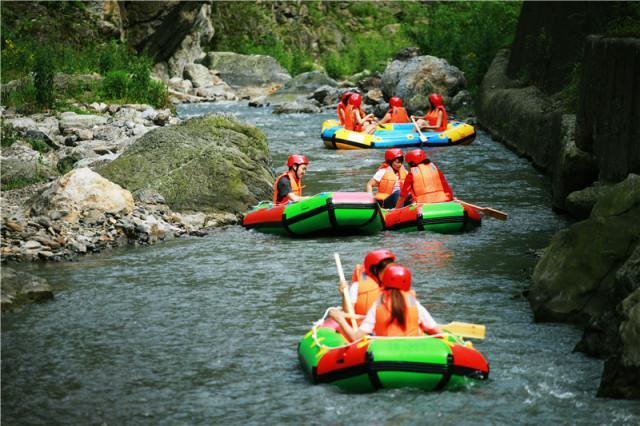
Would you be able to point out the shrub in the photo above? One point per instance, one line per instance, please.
(116, 85)
(43, 72)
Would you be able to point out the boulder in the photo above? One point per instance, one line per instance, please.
(246, 70)
(72, 120)
(79, 191)
(580, 203)
(21, 163)
(209, 163)
(574, 279)
(301, 105)
(198, 74)
(415, 78)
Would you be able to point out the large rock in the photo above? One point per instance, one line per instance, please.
(21, 164)
(81, 190)
(210, 163)
(415, 78)
(170, 31)
(575, 276)
(305, 84)
(71, 120)
(240, 71)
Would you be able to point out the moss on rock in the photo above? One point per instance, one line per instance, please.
(209, 163)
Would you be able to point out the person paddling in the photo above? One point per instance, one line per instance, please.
(365, 285)
(436, 119)
(395, 313)
(288, 186)
(389, 178)
(425, 182)
(396, 113)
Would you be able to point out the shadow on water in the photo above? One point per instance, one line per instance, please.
(205, 330)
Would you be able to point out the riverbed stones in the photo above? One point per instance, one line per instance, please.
(210, 163)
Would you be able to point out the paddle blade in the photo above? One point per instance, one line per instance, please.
(464, 329)
(497, 214)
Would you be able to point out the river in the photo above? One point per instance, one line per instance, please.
(205, 330)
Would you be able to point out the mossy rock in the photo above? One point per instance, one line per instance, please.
(577, 273)
(211, 163)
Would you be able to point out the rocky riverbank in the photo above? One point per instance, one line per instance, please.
(589, 274)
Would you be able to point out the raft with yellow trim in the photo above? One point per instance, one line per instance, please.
(427, 362)
(395, 135)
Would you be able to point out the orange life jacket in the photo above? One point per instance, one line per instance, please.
(399, 115)
(341, 110)
(350, 121)
(388, 181)
(427, 186)
(432, 118)
(368, 291)
(296, 187)
(384, 326)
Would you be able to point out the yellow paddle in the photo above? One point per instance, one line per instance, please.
(465, 329)
(345, 292)
(497, 214)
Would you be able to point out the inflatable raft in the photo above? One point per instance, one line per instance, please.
(445, 218)
(325, 213)
(427, 363)
(395, 136)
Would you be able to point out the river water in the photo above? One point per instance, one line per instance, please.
(205, 330)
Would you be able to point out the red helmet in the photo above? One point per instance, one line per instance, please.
(355, 99)
(416, 156)
(435, 99)
(397, 276)
(392, 154)
(297, 159)
(373, 258)
(395, 101)
(345, 97)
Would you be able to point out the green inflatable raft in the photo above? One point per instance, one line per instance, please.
(427, 363)
(327, 213)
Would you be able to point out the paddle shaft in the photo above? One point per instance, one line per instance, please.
(497, 214)
(422, 138)
(345, 293)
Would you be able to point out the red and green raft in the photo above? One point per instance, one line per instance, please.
(427, 363)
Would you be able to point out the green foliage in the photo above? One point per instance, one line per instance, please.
(369, 51)
(8, 135)
(48, 36)
(22, 182)
(43, 80)
(466, 34)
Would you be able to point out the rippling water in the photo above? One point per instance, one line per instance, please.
(204, 330)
